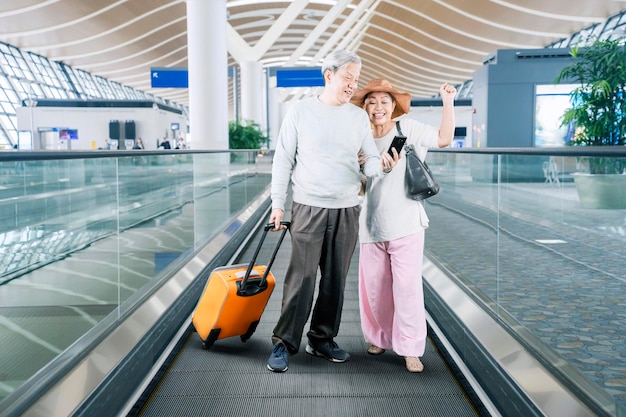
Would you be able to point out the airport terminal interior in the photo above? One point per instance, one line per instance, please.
(106, 249)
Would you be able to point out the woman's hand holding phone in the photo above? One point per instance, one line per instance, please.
(397, 143)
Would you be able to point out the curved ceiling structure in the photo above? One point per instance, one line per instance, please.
(416, 44)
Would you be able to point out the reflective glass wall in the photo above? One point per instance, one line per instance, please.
(83, 235)
(523, 234)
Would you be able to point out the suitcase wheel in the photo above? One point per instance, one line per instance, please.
(213, 334)
(250, 332)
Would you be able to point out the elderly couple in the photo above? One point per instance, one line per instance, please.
(325, 144)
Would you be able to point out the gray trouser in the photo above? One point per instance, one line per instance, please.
(319, 237)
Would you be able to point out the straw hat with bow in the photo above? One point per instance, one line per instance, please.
(403, 100)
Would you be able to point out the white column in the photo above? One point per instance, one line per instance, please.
(274, 112)
(252, 93)
(208, 74)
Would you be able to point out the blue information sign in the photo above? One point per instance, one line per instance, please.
(305, 77)
(169, 77)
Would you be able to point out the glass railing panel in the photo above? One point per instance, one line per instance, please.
(530, 231)
(47, 304)
(212, 174)
(44, 211)
(463, 220)
(244, 182)
(152, 185)
(545, 263)
(155, 218)
(566, 284)
(81, 238)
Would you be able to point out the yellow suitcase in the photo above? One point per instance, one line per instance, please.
(235, 297)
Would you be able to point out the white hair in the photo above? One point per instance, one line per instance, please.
(339, 59)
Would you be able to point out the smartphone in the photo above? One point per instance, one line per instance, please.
(397, 142)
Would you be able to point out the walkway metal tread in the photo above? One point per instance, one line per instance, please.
(231, 379)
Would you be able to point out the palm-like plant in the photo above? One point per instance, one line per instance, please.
(598, 110)
(245, 136)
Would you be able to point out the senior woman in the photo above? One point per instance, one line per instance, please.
(391, 227)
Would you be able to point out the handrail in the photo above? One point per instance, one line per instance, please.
(572, 151)
(37, 155)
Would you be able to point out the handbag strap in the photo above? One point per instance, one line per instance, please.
(398, 127)
(407, 148)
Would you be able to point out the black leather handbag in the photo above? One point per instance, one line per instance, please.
(420, 183)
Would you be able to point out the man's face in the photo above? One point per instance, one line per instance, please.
(343, 83)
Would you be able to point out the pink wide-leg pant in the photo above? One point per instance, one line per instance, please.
(391, 296)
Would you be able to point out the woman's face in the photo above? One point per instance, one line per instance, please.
(379, 107)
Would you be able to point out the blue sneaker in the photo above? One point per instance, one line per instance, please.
(329, 350)
(279, 359)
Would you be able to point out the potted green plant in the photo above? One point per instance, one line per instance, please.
(598, 117)
(247, 135)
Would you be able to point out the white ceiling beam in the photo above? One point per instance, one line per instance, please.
(278, 28)
(320, 29)
(345, 26)
(241, 51)
(559, 16)
(236, 45)
(467, 33)
(356, 33)
(525, 31)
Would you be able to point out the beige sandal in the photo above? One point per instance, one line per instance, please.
(413, 364)
(375, 350)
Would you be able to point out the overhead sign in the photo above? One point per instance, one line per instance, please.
(172, 77)
(300, 77)
(169, 77)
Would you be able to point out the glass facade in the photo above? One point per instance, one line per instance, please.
(27, 76)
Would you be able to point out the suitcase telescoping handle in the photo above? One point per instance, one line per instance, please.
(256, 253)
